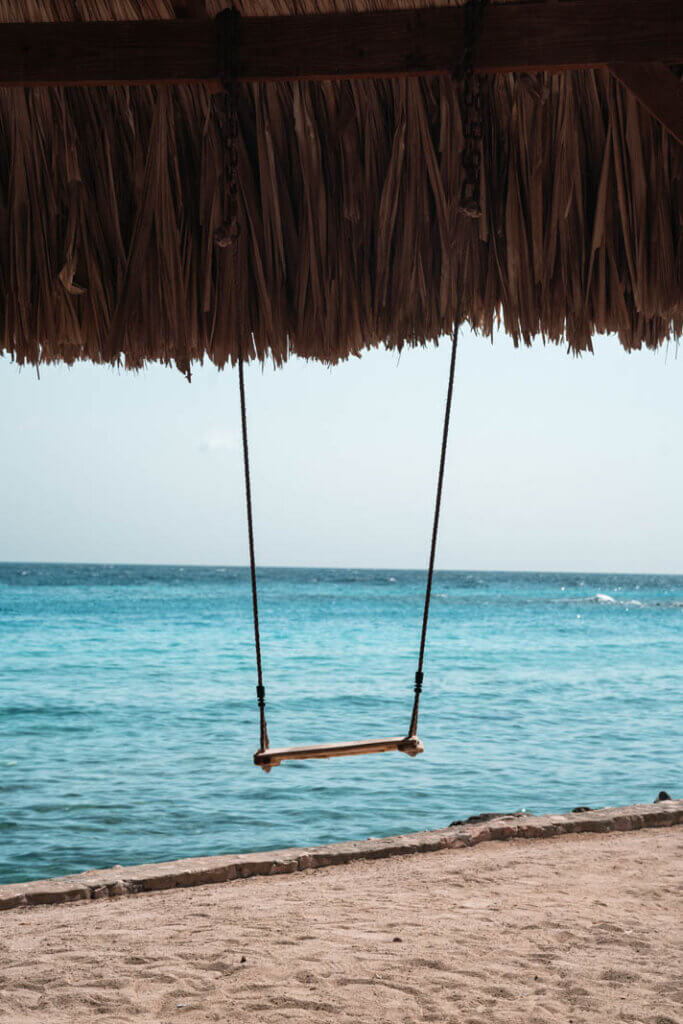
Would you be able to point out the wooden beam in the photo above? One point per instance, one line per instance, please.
(658, 89)
(516, 37)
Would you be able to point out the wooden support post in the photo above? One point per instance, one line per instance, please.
(186, 9)
(377, 44)
(190, 9)
(658, 89)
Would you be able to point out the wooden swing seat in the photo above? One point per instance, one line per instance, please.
(267, 759)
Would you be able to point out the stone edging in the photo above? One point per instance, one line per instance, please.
(211, 870)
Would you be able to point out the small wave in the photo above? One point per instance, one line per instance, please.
(606, 599)
(593, 599)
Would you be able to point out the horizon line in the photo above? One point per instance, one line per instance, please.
(339, 568)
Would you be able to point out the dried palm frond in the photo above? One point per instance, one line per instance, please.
(351, 234)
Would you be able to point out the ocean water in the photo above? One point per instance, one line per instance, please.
(128, 716)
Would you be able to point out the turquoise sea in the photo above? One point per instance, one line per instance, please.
(128, 716)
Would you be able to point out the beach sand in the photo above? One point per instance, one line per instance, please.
(572, 929)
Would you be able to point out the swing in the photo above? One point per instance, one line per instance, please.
(268, 757)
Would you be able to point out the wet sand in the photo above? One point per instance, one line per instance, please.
(573, 929)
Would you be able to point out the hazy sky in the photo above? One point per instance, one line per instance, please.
(555, 462)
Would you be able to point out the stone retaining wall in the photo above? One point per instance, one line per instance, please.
(120, 881)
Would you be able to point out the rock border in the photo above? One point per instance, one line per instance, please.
(120, 881)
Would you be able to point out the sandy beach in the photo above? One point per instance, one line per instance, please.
(572, 929)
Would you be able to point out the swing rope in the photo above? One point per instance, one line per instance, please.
(260, 689)
(419, 675)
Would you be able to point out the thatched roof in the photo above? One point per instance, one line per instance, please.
(349, 195)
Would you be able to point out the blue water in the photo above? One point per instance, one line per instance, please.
(128, 717)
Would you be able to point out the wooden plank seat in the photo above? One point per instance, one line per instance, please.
(267, 759)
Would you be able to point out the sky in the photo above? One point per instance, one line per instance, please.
(555, 462)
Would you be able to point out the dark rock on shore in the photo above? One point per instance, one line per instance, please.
(478, 818)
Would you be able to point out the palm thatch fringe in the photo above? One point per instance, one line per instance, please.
(351, 235)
